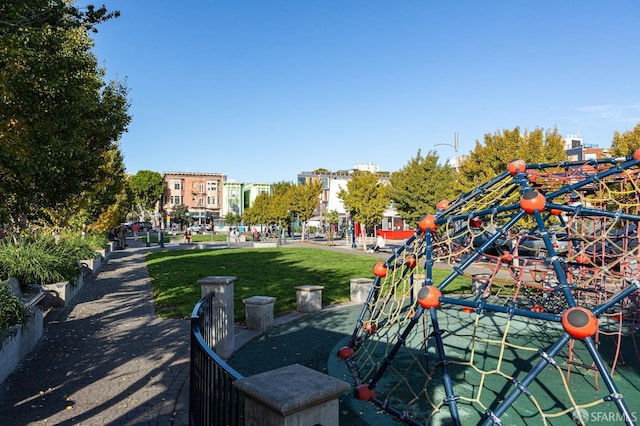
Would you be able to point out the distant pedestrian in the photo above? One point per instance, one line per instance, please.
(122, 237)
(187, 236)
(135, 228)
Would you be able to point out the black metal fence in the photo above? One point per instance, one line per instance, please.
(213, 400)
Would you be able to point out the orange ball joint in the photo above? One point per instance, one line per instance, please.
(516, 166)
(442, 205)
(380, 269)
(345, 352)
(532, 201)
(428, 222)
(636, 154)
(410, 261)
(579, 322)
(364, 393)
(429, 297)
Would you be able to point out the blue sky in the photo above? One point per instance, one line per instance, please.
(261, 90)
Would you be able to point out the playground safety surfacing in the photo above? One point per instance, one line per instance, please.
(487, 355)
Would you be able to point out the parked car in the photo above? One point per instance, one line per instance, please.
(195, 229)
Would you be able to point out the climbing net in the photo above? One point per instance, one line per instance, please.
(511, 304)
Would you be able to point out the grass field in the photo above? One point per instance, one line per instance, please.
(265, 272)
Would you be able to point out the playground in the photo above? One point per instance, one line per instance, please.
(547, 334)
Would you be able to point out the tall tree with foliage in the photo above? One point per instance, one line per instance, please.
(147, 187)
(58, 118)
(489, 159)
(420, 185)
(331, 218)
(366, 198)
(304, 201)
(180, 214)
(625, 143)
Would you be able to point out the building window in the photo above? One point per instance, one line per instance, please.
(201, 202)
(212, 185)
(201, 187)
(176, 184)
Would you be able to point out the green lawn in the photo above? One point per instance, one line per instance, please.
(265, 272)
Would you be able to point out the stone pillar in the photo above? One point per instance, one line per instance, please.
(259, 312)
(222, 288)
(360, 288)
(309, 298)
(291, 396)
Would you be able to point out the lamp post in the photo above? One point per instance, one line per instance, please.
(454, 146)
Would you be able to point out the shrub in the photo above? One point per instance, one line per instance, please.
(41, 260)
(12, 310)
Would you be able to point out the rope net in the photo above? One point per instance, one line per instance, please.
(516, 303)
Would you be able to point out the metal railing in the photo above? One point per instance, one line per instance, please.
(213, 400)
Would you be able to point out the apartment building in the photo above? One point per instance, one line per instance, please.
(200, 192)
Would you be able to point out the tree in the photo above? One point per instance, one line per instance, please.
(331, 218)
(625, 143)
(58, 118)
(180, 214)
(366, 198)
(232, 219)
(258, 213)
(420, 185)
(305, 200)
(147, 187)
(491, 158)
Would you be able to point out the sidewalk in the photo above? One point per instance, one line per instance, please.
(105, 358)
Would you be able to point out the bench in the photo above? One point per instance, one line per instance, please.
(31, 299)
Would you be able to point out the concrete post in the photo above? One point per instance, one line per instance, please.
(259, 312)
(309, 298)
(291, 396)
(223, 289)
(360, 289)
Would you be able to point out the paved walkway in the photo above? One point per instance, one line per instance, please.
(105, 358)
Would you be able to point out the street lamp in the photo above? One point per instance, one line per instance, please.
(454, 146)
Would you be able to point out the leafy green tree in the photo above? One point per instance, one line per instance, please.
(180, 214)
(58, 118)
(331, 218)
(258, 213)
(489, 159)
(625, 143)
(304, 201)
(147, 187)
(420, 185)
(366, 198)
(232, 219)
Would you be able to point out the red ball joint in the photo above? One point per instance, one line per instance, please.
(429, 297)
(428, 222)
(579, 322)
(636, 154)
(442, 205)
(410, 261)
(516, 166)
(532, 201)
(364, 393)
(345, 352)
(380, 269)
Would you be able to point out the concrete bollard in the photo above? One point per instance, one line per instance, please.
(259, 312)
(291, 396)
(223, 289)
(360, 289)
(309, 298)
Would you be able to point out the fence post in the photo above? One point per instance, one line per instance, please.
(223, 332)
(291, 395)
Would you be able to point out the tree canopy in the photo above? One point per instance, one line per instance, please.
(59, 119)
(625, 143)
(366, 197)
(420, 185)
(305, 200)
(146, 186)
(490, 158)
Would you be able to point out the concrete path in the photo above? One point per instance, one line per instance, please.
(105, 358)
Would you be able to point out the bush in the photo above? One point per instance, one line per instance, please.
(39, 259)
(12, 310)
